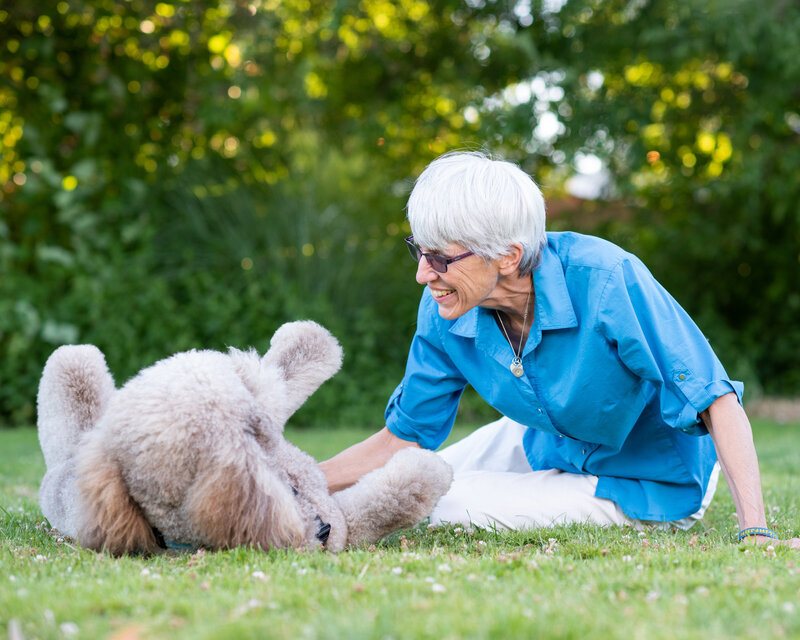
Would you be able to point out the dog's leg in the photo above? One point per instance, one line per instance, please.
(73, 392)
(307, 355)
(58, 497)
(396, 496)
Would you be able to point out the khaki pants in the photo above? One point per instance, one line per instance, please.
(494, 486)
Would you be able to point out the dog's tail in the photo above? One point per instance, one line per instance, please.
(110, 518)
(245, 504)
(73, 393)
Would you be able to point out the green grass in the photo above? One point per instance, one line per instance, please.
(567, 582)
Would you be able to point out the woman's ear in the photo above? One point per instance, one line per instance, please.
(509, 263)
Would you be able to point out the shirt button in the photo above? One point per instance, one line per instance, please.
(583, 451)
(682, 377)
(540, 411)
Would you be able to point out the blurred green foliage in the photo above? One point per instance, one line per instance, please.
(187, 174)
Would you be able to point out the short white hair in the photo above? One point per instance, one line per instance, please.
(483, 204)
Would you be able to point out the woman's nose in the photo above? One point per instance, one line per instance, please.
(425, 272)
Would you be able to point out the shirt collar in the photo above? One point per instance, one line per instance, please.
(554, 308)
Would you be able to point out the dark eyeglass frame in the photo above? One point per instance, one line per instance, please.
(438, 263)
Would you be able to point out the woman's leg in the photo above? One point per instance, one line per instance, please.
(511, 500)
(494, 486)
(496, 446)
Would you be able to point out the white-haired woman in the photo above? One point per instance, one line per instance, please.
(616, 410)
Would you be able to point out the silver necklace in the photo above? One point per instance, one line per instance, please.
(516, 363)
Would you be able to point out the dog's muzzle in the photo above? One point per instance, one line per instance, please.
(324, 528)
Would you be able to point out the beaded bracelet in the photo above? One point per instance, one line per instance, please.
(757, 531)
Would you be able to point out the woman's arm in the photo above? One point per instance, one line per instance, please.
(345, 468)
(733, 439)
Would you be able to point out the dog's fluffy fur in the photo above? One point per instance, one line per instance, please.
(193, 446)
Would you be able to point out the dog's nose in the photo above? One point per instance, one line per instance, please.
(324, 531)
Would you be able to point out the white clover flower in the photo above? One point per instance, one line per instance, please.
(397, 571)
(438, 588)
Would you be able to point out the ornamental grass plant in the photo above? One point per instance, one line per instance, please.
(451, 582)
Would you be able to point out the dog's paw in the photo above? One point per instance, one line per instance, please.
(419, 478)
(396, 496)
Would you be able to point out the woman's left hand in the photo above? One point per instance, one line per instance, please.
(793, 543)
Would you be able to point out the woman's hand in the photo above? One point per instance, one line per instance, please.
(793, 543)
(345, 468)
(730, 430)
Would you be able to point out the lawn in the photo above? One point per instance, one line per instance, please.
(567, 582)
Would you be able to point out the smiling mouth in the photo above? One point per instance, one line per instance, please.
(441, 293)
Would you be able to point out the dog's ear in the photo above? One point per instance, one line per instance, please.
(111, 519)
(244, 504)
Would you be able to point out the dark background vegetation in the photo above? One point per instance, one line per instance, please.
(185, 174)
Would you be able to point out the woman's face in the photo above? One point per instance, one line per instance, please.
(468, 283)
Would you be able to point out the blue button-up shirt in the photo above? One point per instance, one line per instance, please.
(616, 374)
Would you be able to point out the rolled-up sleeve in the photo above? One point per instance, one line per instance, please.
(423, 407)
(658, 341)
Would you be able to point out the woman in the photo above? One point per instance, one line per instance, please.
(615, 408)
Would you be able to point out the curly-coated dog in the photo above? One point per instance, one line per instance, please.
(191, 453)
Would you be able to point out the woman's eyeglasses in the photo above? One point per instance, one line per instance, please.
(438, 263)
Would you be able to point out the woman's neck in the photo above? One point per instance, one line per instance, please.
(515, 304)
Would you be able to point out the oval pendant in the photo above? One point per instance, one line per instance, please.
(516, 367)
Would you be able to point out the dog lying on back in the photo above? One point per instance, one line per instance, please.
(190, 453)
